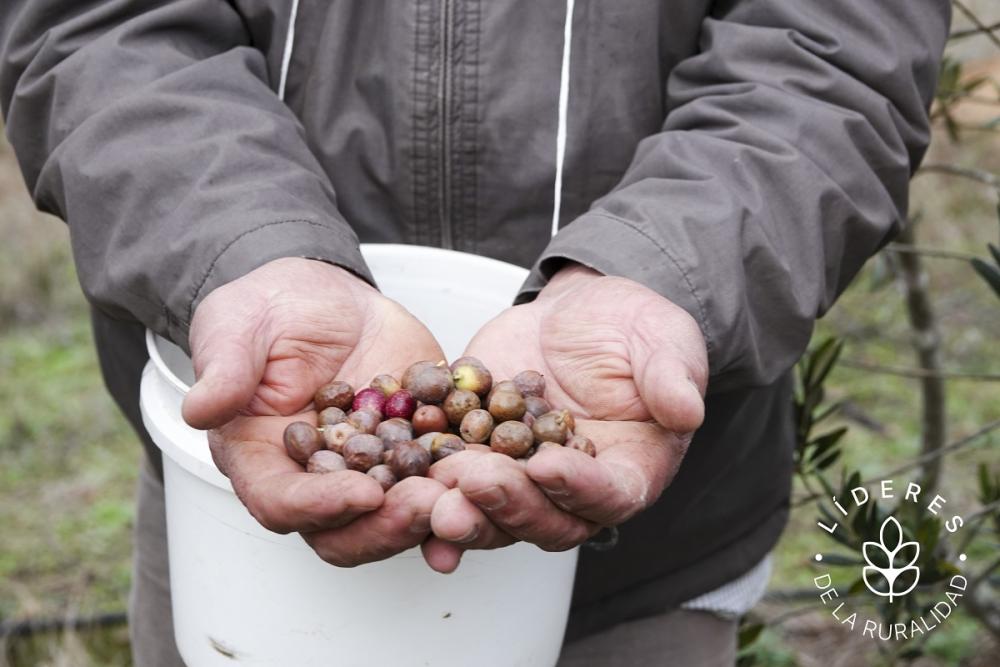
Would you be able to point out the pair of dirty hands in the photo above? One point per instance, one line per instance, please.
(628, 363)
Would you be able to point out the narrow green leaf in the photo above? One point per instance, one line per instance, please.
(984, 484)
(828, 460)
(749, 634)
(989, 273)
(995, 251)
(824, 360)
(839, 560)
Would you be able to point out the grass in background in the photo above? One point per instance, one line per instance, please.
(67, 458)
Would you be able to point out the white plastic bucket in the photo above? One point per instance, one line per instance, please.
(243, 595)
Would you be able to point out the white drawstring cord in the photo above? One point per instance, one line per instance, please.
(286, 58)
(563, 104)
(563, 97)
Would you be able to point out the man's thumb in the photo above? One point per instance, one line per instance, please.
(231, 368)
(671, 374)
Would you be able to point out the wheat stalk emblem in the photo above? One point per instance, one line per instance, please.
(888, 559)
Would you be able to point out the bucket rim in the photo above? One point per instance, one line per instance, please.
(161, 366)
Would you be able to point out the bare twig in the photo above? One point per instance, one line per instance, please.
(929, 252)
(32, 626)
(970, 32)
(985, 29)
(971, 173)
(919, 373)
(920, 460)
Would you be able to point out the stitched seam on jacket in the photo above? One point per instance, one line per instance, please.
(232, 242)
(702, 315)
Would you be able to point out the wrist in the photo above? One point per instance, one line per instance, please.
(570, 275)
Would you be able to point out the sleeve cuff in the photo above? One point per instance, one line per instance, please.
(257, 246)
(616, 247)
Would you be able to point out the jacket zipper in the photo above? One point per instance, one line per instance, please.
(445, 94)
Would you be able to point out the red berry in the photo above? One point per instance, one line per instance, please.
(400, 404)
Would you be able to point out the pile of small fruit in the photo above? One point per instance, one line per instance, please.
(396, 429)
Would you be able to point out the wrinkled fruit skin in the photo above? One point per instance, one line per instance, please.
(325, 461)
(536, 405)
(530, 383)
(446, 444)
(568, 418)
(551, 426)
(458, 404)
(365, 420)
(469, 374)
(582, 443)
(476, 426)
(386, 384)
(338, 434)
(506, 385)
(431, 384)
(400, 404)
(363, 451)
(335, 394)
(427, 439)
(383, 475)
(506, 405)
(393, 431)
(331, 416)
(302, 440)
(512, 438)
(429, 418)
(409, 459)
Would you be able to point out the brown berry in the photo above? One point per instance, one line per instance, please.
(386, 384)
(430, 384)
(446, 444)
(335, 394)
(394, 430)
(383, 475)
(409, 459)
(429, 418)
(363, 451)
(458, 404)
(511, 438)
(548, 444)
(530, 383)
(337, 435)
(569, 419)
(583, 443)
(506, 385)
(536, 405)
(476, 426)
(551, 426)
(325, 461)
(331, 415)
(365, 420)
(302, 440)
(427, 439)
(506, 405)
(470, 374)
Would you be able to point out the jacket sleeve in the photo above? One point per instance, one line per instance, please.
(782, 165)
(152, 129)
